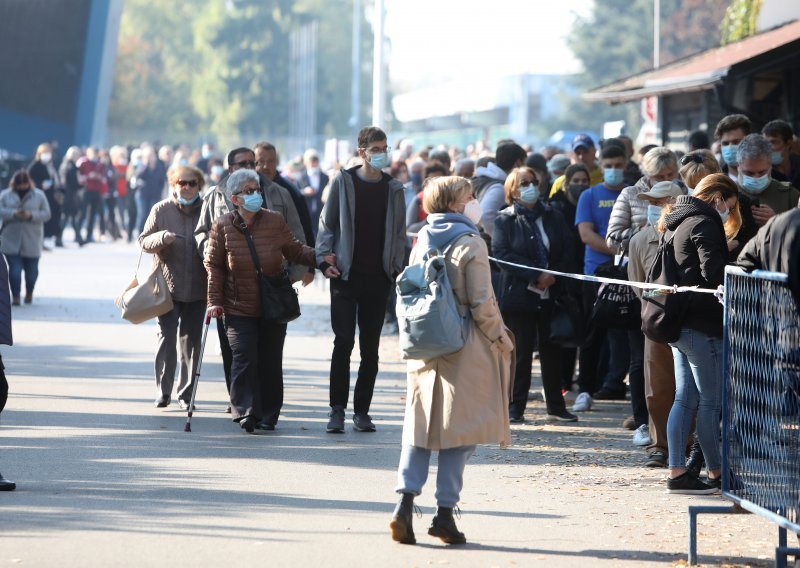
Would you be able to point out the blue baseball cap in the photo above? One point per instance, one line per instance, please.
(582, 140)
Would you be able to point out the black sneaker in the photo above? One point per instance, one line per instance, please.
(656, 458)
(687, 484)
(336, 420)
(516, 418)
(162, 401)
(605, 394)
(563, 416)
(363, 423)
(696, 461)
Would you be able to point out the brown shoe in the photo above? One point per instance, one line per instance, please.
(15, 301)
(628, 423)
(29, 297)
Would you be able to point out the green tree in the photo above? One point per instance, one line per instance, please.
(740, 20)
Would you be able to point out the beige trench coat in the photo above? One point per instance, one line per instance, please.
(462, 398)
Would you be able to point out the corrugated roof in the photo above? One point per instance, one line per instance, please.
(696, 72)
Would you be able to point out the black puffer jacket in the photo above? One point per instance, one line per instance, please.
(513, 242)
(701, 252)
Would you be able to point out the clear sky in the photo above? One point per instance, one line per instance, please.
(438, 40)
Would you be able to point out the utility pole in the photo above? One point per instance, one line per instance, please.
(355, 70)
(656, 34)
(378, 67)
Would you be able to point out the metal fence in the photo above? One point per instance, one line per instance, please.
(761, 404)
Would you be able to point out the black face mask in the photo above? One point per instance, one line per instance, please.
(574, 190)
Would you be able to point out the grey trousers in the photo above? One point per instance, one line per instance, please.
(184, 324)
(412, 473)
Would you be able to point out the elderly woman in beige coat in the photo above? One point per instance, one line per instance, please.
(168, 235)
(458, 400)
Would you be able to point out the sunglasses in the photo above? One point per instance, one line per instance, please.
(189, 182)
(248, 191)
(248, 164)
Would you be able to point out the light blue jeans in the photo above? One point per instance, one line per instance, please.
(698, 389)
(412, 473)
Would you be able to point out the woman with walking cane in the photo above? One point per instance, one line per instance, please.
(167, 235)
(234, 291)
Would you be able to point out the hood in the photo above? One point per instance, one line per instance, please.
(493, 171)
(443, 228)
(642, 185)
(687, 206)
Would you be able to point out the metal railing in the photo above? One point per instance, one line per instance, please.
(760, 406)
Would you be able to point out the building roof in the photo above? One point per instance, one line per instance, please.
(696, 72)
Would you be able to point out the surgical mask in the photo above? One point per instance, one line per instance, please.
(529, 194)
(724, 215)
(217, 171)
(755, 185)
(379, 161)
(253, 202)
(184, 201)
(776, 158)
(207, 154)
(689, 190)
(575, 190)
(46, 157)
(473, 212)
(729, 154)
(416, 178)
(312, 171)
(123, 161)
(613, 176)
(654, 213)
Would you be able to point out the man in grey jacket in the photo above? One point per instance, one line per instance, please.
(363, 224)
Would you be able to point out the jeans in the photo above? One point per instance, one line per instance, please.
(92, 209)
(636, 377)
(360, 300)
(618, 360)
(412, 473)
(527, 329)
(184, 323)
(698, 388)
(16, 264)
(143, 206)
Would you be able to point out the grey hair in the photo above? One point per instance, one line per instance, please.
(753, 147)
(237, 179)
(657, 160)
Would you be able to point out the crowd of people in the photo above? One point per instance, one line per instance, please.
(218, 228)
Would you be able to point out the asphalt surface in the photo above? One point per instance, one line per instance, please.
(106, 479)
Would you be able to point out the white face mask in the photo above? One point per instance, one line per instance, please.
(472, 211)
(46, 157)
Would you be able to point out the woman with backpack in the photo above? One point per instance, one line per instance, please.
(699, 226)
(458, 400)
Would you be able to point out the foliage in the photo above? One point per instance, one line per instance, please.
(740, 20)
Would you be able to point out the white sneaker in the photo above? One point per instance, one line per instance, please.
(641, 437)
(583, 402)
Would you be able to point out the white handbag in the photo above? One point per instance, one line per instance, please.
(151, 298)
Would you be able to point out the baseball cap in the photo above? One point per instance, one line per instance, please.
(582, 140)
(559, 162)
(662, 189)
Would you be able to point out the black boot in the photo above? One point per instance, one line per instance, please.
(6, 485)
(402, 531)
(696, 460)
(444, 526)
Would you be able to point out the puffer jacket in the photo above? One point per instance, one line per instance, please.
(628, 216)
(181, 265)
(701, 252)
(232, 278)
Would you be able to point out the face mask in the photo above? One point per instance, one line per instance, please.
(313, 171)
(183, 201)
(472, 211)
(379, 161)
(575, 190)
(46, 157)
(653, 214)
(217, 171)
(529, 194)
(776, 158)
(252, 202)
(729, 154)
(123, 161)
(207, 154)
(137, 162)
(416, 178)
(613, 176)
(755, 185)
(689, 190)
(724, 215)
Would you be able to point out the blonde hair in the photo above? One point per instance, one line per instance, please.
(711, 188)
(174, 174)
(513, 182)
(657, 160)
(442, 192)
(696, 165)
(42, 148)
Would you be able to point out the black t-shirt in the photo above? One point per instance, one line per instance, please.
(372, 201)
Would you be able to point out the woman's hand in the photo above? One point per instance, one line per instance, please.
(215, 311)
(332, 272)
(732, 244)
(545, 281)
(169, 237)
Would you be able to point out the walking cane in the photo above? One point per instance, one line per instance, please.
(188, 427)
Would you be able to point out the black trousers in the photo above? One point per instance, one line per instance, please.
(360, 300)
(3, 386)
(636, 377)
(256, 368)
(225, 348)
(531, 330)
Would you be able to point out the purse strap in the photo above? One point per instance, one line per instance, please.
(138, 263)
(249, 238)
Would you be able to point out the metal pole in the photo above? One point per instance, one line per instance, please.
(378, 67)
(656, 34)
(355, 70)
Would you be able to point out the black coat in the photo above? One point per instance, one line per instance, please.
(300, 205)
(701, 253)
(512, 242)
(313, 202)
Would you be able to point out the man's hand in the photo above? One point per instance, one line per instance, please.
(307, 279)
(330, 259)
(169, 237)
(215, 311)
(332, 272)
(309, 191)
(545, 281)
(22, 214)
(762, 214)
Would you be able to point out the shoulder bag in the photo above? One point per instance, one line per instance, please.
(150, 299)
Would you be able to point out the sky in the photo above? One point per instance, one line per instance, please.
(435, 41)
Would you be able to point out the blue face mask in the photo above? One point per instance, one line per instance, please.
(776, 158)
(654, 213)
(416, 178)
(379, 161)
(755, 185)
(729, 154)
(613, 176)
(183, 201)
(529, 194)
(689, 190)
(253, 202)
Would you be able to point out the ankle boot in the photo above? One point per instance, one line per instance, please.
(696, 460)
(444, 527)
(402, 531)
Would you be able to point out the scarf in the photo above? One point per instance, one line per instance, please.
(529, 217)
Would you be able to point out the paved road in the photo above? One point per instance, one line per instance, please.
(105, 479)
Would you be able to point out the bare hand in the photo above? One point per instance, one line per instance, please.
(732, 244)
(169, 237)
(307, 279)
(215, 311)
(762, 213)
(332, 272)
(330, 259)
(545, 281)
(308, 190)
(20, 214)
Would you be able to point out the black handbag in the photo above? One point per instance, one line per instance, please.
(617, 306)
(567, 322)
(279, 302)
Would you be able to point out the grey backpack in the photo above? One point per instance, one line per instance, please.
(427, 312)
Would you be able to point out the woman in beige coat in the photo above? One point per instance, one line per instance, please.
(459, 400)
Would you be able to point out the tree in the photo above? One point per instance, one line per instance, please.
(740, 20)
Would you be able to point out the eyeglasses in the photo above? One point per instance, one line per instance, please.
(189, 182)
(248, 191)
(247, 164)
(376, 151)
